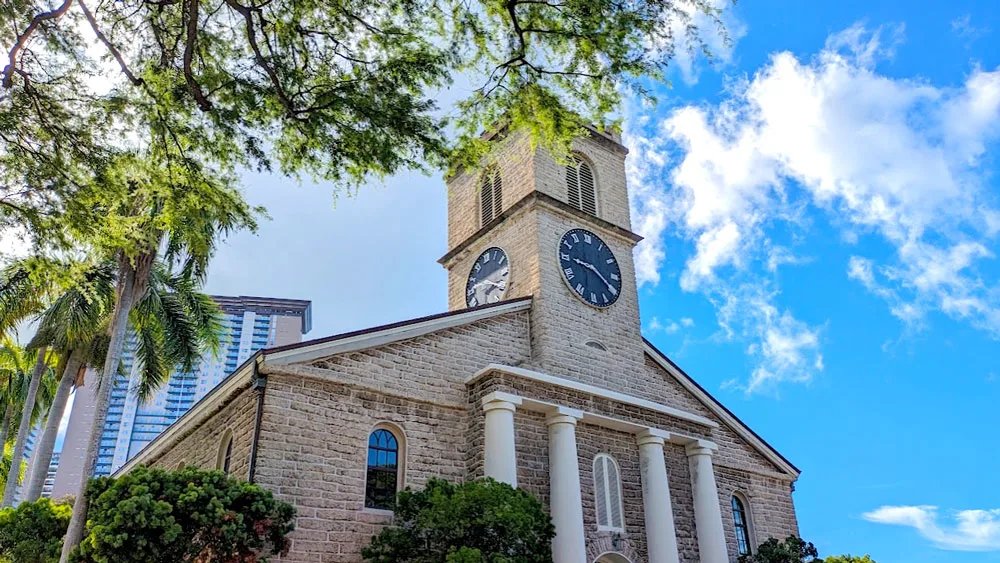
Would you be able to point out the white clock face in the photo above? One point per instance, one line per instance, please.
(488, 279)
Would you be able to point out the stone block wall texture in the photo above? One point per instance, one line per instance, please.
(517, 236)
(607, 161)
(202, 445)
(313, 451)
(514, 159)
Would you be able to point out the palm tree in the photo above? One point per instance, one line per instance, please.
(20, 300)
(141, 206)
(173, 322)
(23, 383)
(5, 461)
(75, 324)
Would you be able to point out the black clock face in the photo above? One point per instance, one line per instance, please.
(488, 279)
(590, 268)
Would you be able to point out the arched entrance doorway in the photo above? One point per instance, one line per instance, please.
(612, 557)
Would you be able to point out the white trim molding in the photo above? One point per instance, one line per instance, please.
(725, 416)
(592, 390)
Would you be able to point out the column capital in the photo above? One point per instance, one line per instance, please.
(563, 415)
(651, 436)
(700, 447)
(500, 400)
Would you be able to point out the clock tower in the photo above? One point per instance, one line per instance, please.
(525, 224)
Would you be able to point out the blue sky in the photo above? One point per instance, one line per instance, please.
(821, 217)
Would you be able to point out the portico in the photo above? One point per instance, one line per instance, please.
(500, 462)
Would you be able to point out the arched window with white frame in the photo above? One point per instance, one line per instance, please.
(383, 477)
(741, 525)
(608, 494)
(490, 196)
(581, 190)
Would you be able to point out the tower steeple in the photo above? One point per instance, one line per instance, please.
(527, 224)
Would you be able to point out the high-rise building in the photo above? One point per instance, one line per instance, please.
(50, 477)
(249, 324)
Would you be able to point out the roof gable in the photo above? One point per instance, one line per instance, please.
(719, 410)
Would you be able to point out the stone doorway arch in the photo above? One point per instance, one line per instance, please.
(612, 557)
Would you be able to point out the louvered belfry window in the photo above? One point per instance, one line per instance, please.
(580, 189)
(491, 196)
(607, 494)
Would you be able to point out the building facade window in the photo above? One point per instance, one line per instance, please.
(608, 494)
(581, 191)
(225, 459)
(491, 196)
(742, 526)
(382, 478)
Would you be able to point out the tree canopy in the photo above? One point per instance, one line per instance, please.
(335, 89)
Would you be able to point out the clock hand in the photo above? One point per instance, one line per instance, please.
(479, 285)
(591, 267)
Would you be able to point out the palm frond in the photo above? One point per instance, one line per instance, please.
(20, 296)
(149, 357)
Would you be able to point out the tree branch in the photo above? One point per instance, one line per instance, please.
(247, 14)
(189, 46)
(135, 80)
(22, 39)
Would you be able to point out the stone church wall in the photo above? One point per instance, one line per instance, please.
(313, 451)
(513, 157)
(317, 419)
(201, 446)
(605, 159)
(768, 500)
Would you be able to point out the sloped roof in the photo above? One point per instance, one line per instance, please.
(720, 410)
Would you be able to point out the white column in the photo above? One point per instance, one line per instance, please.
(565, 505)
(707, 514)
(500, 459)
(661, 537)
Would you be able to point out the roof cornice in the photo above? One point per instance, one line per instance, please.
(532, 198)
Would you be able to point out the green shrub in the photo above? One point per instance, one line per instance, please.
(792, 550)
(474, 522)
(33, 532)
(157, 516)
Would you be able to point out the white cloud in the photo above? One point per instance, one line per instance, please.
(668, 326)
(965, 29)
(785, 348)
(687, 322)
(968, 530)
(896, 159)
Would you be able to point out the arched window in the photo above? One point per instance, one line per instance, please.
(383, 470)
(491, 196)
(742, 525)
(580, 190)
(607, 494)
(225, 458)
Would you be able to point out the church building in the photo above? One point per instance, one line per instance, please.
(538, 376)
